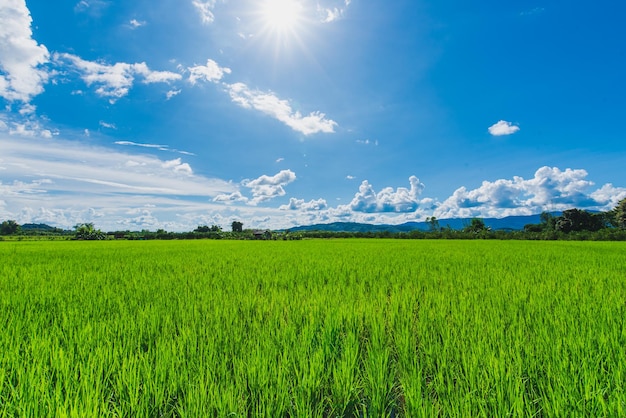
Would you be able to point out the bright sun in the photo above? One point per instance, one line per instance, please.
(281, 15)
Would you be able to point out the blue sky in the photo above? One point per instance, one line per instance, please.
(178, 113)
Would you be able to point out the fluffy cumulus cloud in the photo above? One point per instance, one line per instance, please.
(233, 197)
(178, 166)
(114, 81)
(262, 189)
(280, 109)
(503, 128)
(210, 72)
(551, 189)
(22, 59)
(401, 200)
(268, 187)
(301, 205)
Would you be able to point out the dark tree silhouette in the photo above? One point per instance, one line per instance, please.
(9, 227)
(237, 226)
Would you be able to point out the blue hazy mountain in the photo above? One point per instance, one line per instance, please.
(510, 223)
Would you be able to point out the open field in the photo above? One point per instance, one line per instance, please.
(313, 328)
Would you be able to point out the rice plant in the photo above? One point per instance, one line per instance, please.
(314, 328)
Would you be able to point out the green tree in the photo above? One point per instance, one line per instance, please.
(237, 226)
(576, 220)
(87, 231)
(548, 221)
(433, 224)
(9, 227)
(620, 214)
(476, 225)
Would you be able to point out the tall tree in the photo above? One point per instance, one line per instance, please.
(9, 227)
(620, 214)
(237, 226)
(433, 223)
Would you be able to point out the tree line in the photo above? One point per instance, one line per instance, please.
(571, 224)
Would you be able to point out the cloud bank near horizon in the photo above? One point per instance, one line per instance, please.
(65, 182)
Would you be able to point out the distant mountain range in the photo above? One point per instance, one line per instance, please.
(38, 227)
(510, 223)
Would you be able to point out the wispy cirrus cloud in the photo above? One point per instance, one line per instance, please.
(107, 125)
(63, 182)
(152, 146)
(205, 10)
(330, 11)
(75, 167)
(280, 109)
(502, 128)
(22, 59)
(94, 8)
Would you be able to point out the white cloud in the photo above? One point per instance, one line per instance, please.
(300, 204)
(178, 166)
(608, 196)
(230, 198)
(268, 187)
(331, 11)
(401, 200)
(503, 128)
(27, 109)
(205, 9)
(263, 188)
(153, 146)
(172, 93)
(137, 144)
(134, 23)
(114, 81)
(551, 189)
(22, 75)
(107, 125)
(94, 8)
(74, 168)
(210, 72)
(271, 105)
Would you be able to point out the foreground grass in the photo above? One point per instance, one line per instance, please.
(350, 328)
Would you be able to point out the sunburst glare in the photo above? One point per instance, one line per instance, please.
(282, 15)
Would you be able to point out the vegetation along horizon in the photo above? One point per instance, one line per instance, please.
(312, 328)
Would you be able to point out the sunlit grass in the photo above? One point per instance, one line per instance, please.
(334, 328)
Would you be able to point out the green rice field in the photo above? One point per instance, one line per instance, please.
(312, 328)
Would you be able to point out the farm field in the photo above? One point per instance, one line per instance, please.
(313, 328)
